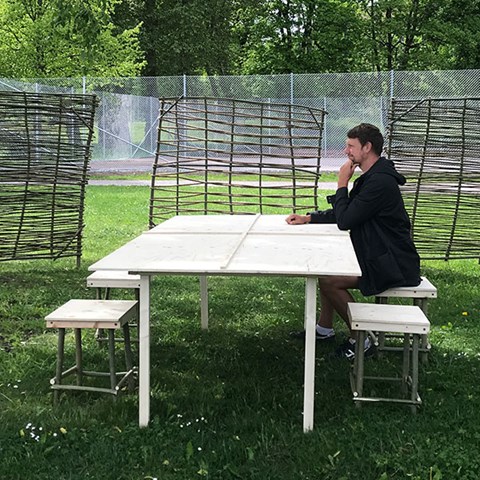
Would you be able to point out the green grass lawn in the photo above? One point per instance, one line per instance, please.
(227, 402)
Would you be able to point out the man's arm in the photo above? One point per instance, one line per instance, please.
(376, 195)
(326, 216)
(323, 216)
(346, 173)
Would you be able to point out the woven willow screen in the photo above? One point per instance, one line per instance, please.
(435, 143)
(44, 155)
(217, 155)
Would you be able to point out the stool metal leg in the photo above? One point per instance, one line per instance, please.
(415, 372)
(423, 304)
(78, 355)
(359, 364)
(381, 335)
(128, 355)
(137, 298)
(406, 362)
(100, 334)
(111, 355)
(60, 354)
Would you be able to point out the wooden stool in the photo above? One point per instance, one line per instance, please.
(110, 315)
(411, 322)
(103, 281)
(420, 296)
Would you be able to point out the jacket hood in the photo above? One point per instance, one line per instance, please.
(382, 165)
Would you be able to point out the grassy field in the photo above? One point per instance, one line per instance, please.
(227, 403)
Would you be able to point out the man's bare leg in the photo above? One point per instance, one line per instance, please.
(326, 312)
(335, 296)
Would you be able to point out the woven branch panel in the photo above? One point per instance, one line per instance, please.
(435, 143)
(44, 157)
(217, 155)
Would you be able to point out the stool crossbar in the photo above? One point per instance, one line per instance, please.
(110, 315)
(408, 320)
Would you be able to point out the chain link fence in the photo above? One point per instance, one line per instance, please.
(127, 119)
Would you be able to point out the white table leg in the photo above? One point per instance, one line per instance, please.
(144, 353)
(309, 379)
(204, 301)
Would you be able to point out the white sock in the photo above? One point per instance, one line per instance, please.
(367, 343)
(323, 330)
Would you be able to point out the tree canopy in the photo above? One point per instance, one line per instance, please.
(53, 38)
(235, 37)
(304, 36)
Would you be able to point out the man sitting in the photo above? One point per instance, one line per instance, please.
(380, 231)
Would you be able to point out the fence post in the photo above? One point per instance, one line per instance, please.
(84, 85)
(391, 83)
(184, 85)
(291, 88)
(325, 143)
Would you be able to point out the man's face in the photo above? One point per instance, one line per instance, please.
(355, 151)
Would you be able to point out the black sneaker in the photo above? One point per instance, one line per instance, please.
(300, 335)
(347, 350)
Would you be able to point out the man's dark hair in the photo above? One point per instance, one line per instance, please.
(366, 132)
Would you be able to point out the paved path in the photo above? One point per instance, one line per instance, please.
(144, 165)
(143, 183)
(328, 164)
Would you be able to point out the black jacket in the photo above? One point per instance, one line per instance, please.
(379, 226)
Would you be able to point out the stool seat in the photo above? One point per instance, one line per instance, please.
(388, 318)
(92, 314)
(113, 279)
(109, 315)
(420, 296)
(425, 290)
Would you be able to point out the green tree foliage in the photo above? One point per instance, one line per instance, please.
(183, 36)
(459, 34)
(422, 34)
(278, 36)
(54, 38)
(401, 33)
(281, 36)
(224, 37)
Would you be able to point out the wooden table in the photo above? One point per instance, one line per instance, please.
(233, 245)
